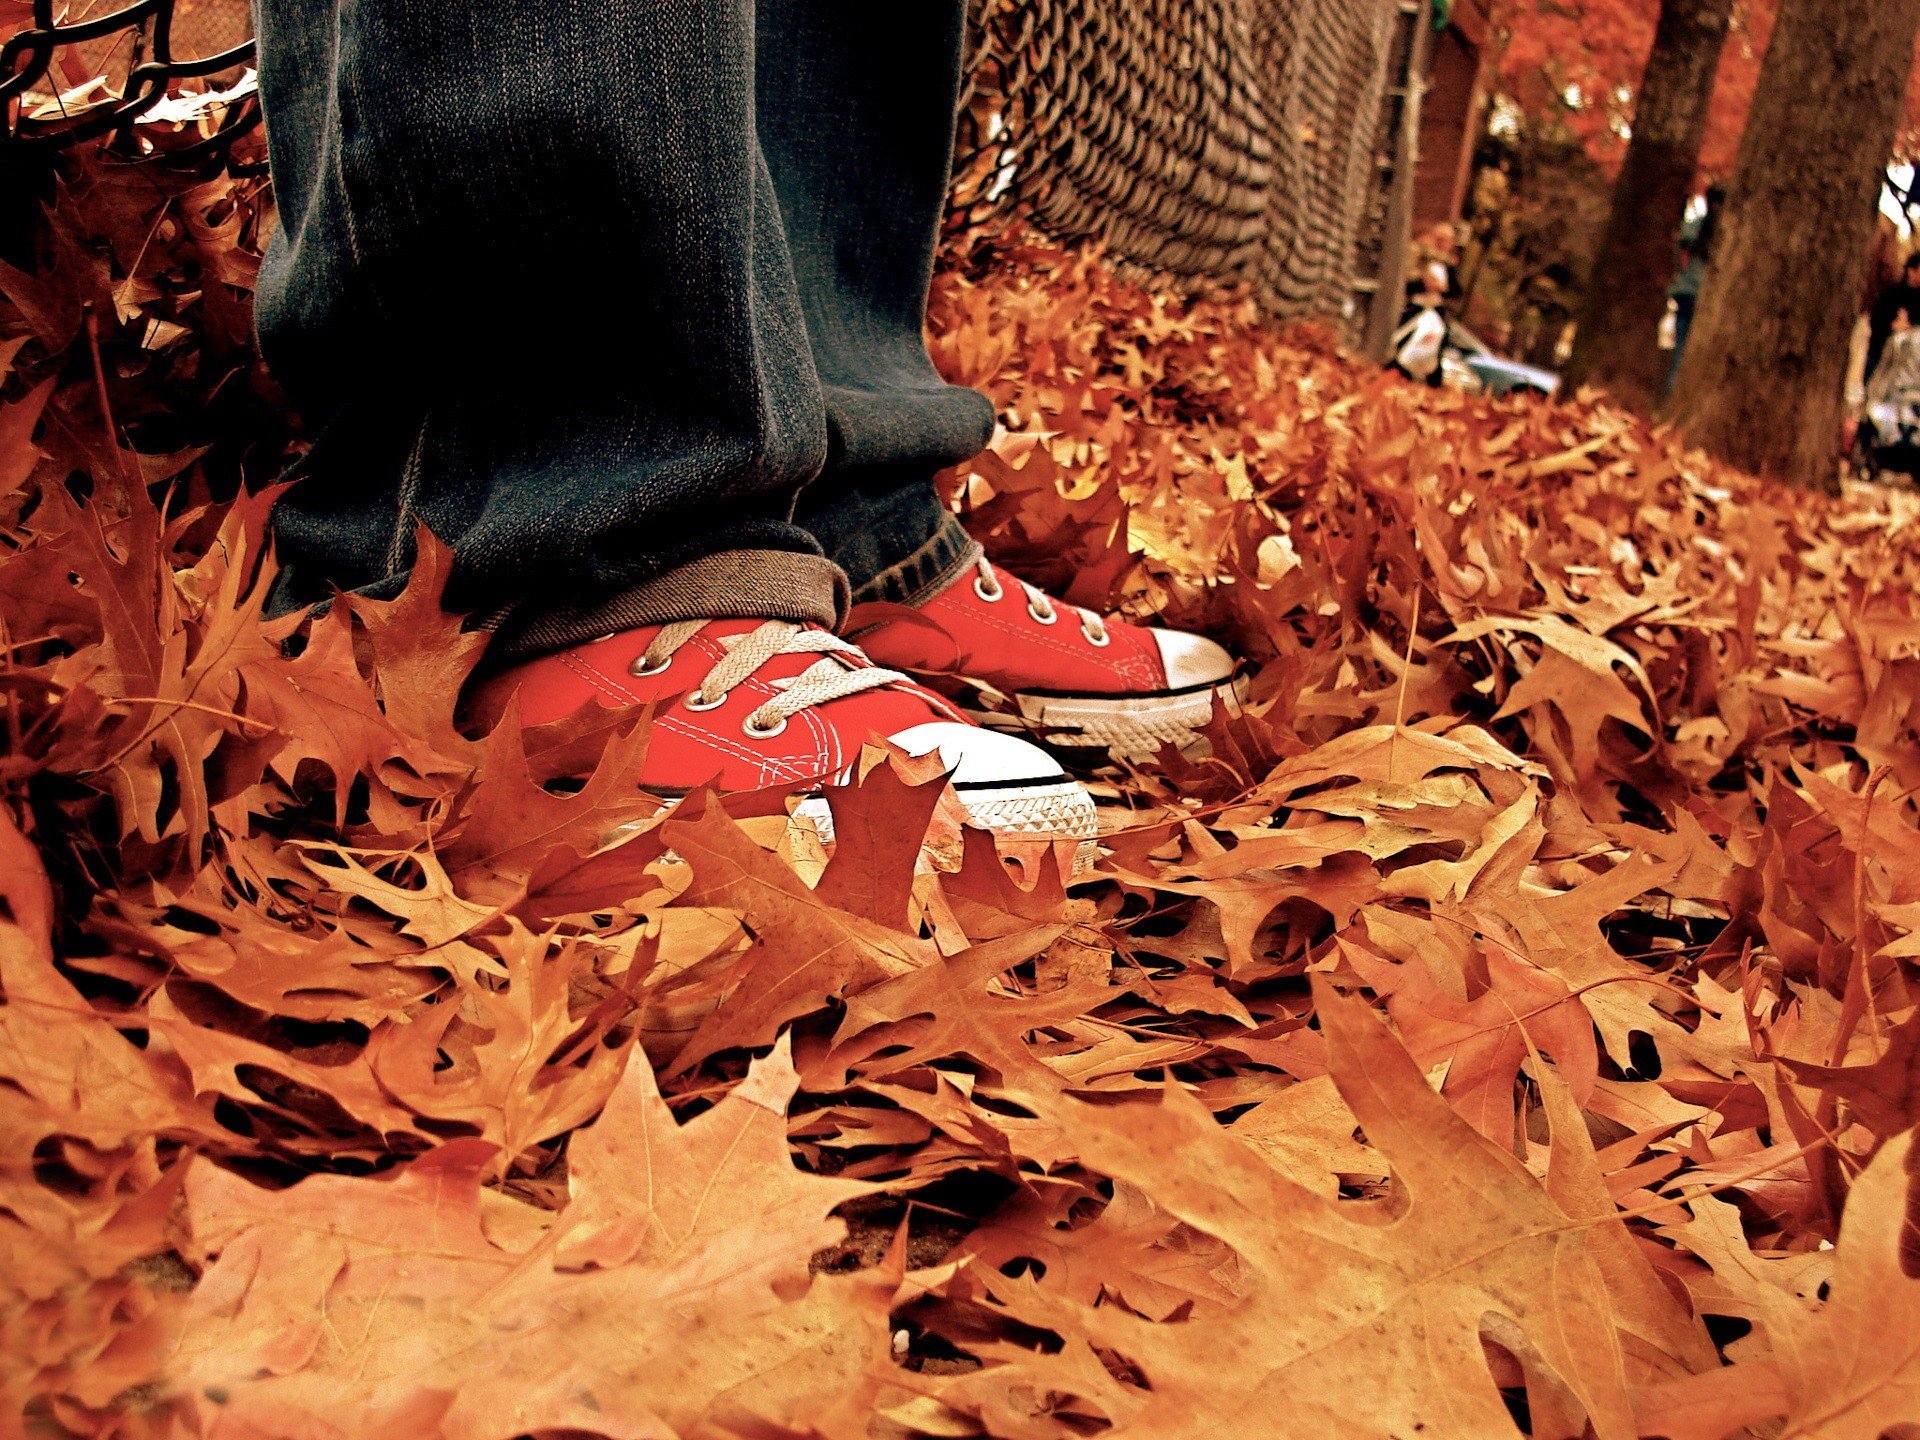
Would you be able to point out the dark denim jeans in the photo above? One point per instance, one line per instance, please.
(597, 290)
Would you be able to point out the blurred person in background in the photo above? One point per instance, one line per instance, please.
(1419, 345)
(1435, 262)
(1889, 430)
(1696, 242)
(1889, 253)
(1901, 296)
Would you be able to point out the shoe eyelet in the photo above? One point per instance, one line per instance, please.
(640, 669)
(1099, 639)
(1044, 617)
(694, 702)
(985, 594)
(767, 732)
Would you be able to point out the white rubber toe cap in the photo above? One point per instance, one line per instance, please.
(974, 756)
(1192, 660)
(1006, 785)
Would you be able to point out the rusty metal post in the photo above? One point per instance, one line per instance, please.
(1383, 313)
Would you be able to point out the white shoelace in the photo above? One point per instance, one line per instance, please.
(827, 680)
(1039, 605)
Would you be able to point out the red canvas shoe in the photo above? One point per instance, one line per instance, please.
(759, 704)
(1024, 661)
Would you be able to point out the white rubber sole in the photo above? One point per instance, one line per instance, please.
(1131, 727)
(1033, 816)
(1025, 821)
(1054, 811)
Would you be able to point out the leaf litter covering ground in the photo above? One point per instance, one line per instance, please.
(1511, 1026)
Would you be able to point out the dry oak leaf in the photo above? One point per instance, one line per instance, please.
(317, 707)
(804, 952)
(1484, 1041)
(1357, 1319)
(1129, 1252)
(1395, 755)
(1307, 1133)
(422, 654)
(872, 869)
(669, 1298)
(1852, 1367)
(1885, 1095)
(1844, 1369)
(78, 1074)
(512, 825)
(17, 421)
(531, 1074)
(1660, 1335)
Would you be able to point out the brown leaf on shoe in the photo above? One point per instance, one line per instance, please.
(874, 854)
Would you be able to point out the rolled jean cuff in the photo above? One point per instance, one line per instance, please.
(731, 585)
(928, 570)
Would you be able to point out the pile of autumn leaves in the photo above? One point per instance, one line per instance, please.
(1510, 1027)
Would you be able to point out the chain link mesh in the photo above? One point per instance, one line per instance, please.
(142, 54)
(1203, 140)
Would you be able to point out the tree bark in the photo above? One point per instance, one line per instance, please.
(1617, 346)
(1761, 382)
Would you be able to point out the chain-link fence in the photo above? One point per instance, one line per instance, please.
(196, 30)
(1242, 141)
(79, 69)
(1210, 139)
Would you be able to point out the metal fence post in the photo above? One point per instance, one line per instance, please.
(1389, 296)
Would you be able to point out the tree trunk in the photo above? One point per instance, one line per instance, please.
(1618, 344)
(1762, 379)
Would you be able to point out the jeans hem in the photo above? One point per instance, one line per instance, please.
(925, 572)
(730, 585)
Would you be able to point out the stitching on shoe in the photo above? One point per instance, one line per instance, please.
(823, 738)
(598, 679)
(729, 747)
(1016, 631)
(801, 766)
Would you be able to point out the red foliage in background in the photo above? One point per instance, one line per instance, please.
(1579, 62)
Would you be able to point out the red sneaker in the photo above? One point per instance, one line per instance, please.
(1025, 661)
(765, 703)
